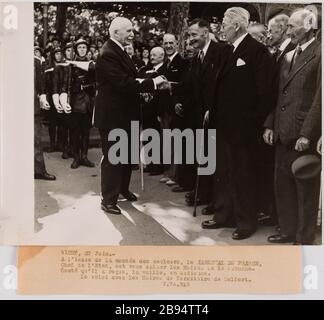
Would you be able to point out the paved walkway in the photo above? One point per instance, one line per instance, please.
(69, 211)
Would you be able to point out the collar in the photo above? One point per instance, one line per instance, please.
(284, 45)
(237, 42)
(158, 66)
(305, 45)
(206, 47)
(172, 57)
(118, 44)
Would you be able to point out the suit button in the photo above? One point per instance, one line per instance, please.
(283, 108)
(285, 92)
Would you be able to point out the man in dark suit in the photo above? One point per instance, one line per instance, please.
(172, 69)
(151, 103)
(116, 105)
(199, 85)
(295, 128)
(243, 96)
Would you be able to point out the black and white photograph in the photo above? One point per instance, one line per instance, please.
(177, 123)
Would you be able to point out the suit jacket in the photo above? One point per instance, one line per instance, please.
(150, 109)
(277, 63)
(298, 109)
(200, 82)
(173, 73)
(244, 94)
(290, 47)
(117, 100)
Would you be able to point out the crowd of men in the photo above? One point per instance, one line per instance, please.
(260, 91)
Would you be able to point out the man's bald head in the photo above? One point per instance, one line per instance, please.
(157, 55)
(121, 30)
(300, 26)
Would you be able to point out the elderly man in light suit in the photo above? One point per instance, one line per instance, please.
(294, 128)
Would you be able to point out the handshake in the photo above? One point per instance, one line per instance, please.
(162, 83)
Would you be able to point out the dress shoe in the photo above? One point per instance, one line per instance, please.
(280, 238)
(211, 224)
(45, 176)
(110, 208)
(240, 234)
(86, 162)
(170, 182)
(75, 164)
(164, 179)
(179, 189)
(65, 155)
(129, 196)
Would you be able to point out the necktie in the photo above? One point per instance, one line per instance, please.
(201, 56)
(278, 54)
(297, 53)
(127, 54)
(168, 63)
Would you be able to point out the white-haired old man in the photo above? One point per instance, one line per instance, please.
(243, 98)
(116, 105)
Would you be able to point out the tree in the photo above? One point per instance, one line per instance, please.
(178, 22)
(61, 18)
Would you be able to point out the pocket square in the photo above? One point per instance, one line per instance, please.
(240, 62)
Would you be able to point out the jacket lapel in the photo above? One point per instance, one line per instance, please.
(207, 59)
(236, 54)
(304, 58)
(123, 55)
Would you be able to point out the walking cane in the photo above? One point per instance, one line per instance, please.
(194, 214)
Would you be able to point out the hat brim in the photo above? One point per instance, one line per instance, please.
(306, 167)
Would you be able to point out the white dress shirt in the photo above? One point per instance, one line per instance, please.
(237, 42)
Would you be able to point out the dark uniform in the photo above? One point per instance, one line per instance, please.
(52, 117)
(82, 94)
(39, 89)
(60, 82)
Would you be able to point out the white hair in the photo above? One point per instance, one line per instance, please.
(158, 50)
(238, 15)
(307, 17)
(280, 20)
(116, 24)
